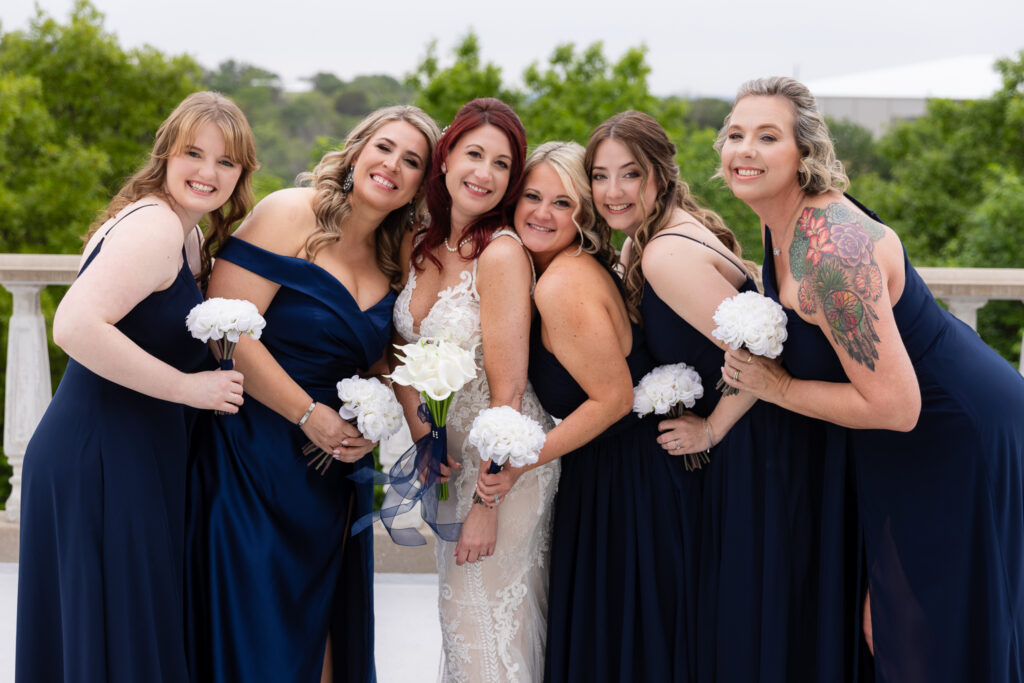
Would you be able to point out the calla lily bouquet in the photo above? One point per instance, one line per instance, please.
(368, 404)
(753, 321)
(224, 322)
(668, 390)
(436, 368)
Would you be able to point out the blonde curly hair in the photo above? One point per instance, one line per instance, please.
(332, 205)
(566, 159)
(820, 171)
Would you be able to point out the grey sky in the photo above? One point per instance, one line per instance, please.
(694, 48)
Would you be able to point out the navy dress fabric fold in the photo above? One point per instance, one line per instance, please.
(622, 599)
(100, 586)
(759, 520)
(273, 568)
(940, 509)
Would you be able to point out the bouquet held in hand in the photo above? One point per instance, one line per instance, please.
(368, 404)
(437, 369)
(503, 434)
(752, 321)
(668, 390)
(224, 322)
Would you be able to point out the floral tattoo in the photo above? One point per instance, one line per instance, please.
(832, 259)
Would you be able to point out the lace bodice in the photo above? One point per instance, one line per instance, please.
(493, 612)
(455, 316)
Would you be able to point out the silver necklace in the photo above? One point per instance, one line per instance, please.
(776, 250)
(462, 243)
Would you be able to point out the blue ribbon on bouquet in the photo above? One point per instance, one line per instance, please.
(414, 478)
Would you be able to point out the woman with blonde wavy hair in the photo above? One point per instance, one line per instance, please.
(280, 589)
(103, 492)
(926, 419)
(623, 578)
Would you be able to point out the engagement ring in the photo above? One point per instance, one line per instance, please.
(735, 375)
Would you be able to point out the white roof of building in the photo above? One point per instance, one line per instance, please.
(957, 78)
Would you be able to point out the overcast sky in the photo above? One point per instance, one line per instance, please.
(694, 48)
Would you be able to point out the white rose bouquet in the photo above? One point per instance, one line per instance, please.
(368, 404)
(753, 321)
(437, 369)
(224, 321)
(669, 389)
(503, 434)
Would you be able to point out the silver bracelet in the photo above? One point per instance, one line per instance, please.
(309, 411)
(707, 430)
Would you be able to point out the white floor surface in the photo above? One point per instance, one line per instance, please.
(408, 635)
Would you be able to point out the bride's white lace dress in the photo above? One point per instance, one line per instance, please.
(493, 612)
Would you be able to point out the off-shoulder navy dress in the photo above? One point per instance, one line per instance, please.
(622, 603)
(273, 567)
(100, 593)
(940, 508)
(759, 520)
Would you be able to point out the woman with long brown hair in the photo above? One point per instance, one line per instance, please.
(103, 508)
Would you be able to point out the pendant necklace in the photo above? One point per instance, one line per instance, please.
(776, 250)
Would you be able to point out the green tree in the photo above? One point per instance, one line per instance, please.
(109, 99)
(441, 91)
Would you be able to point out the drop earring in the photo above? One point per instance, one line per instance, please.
(412, 213)
(346, 186)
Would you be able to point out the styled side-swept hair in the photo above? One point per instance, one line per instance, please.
(175, 134)
(475, 113)
(650, 146)
(566, 160)
(331, 206)
(820, 171)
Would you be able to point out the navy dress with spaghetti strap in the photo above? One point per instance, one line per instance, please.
(100, 586)
(623, 600)
(273, 568)
(759, 519)
(941, 507)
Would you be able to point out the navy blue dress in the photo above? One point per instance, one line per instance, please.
(759, 520)
(273, 567)
(100, 593)
(622, 603)
(940, 508)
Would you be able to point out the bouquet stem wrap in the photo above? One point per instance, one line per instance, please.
(415, 478)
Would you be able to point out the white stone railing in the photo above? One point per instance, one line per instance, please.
(964, 290)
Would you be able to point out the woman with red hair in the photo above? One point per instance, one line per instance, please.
(469, 280)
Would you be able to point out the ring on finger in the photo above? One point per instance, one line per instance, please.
(735, 375)
(675, 444)
(496, 499)
(750, 358)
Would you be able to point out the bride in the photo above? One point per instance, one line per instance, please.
(469, 280)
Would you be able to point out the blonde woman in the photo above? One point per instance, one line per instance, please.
(281, 590)
(623, 566)
(934, 439)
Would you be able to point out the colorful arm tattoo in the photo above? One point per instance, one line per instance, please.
(832, 259)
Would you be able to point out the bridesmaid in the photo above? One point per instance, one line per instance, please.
(936, 436)
(102, 531)
(623, 560)
(681, 261)
(469, 280)
(280, 591)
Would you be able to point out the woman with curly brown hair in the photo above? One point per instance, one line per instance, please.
(280, 589)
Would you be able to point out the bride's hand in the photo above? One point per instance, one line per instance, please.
(496, 486)
(478, 536)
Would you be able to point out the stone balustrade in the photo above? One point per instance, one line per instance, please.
(964, 290)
